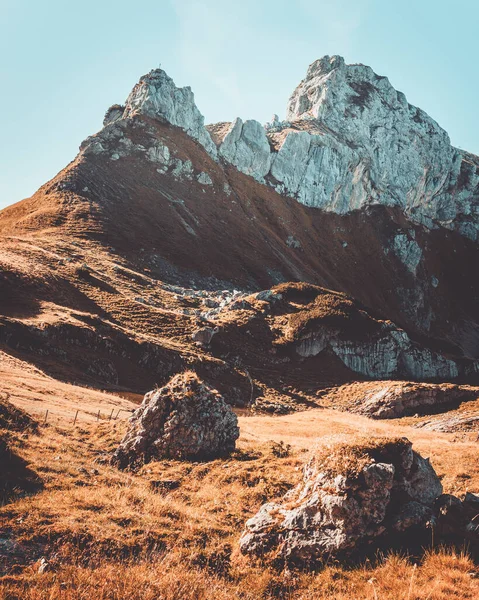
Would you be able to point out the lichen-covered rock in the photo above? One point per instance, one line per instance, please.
(399, 398)
(351, 494)
(186, 419)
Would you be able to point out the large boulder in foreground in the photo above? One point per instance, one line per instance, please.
(351, 494)
(186, 419)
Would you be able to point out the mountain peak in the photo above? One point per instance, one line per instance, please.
(156, 95)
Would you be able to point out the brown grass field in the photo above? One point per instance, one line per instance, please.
(107, 534)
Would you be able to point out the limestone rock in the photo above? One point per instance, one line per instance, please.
(186, 419)
(386, 353)
(351, 494)
(351, 140)
(157, 96)
(398, 398)
(247, 147)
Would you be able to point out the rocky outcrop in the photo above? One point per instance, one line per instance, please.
(399, 399)
(351, 140)
(185, 419)
(246, 146)
(157, 96)
(388, 354)
(374, 348)
(463, 421)
(351, 494)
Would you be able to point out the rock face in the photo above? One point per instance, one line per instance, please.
(398, 399)
(350, 140)
(246, 146)
(157, 96)
(186, 419)
(388, 353)
(351, 494)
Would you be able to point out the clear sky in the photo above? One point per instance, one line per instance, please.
(64, 62)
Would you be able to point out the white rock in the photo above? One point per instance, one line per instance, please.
(351, 140)
(157, 96)
(204, 179)
(246, 146)
(159, 153)
(408, 251)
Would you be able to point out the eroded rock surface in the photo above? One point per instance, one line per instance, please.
(350, 139)
(351, 494)
(186, 419)
(157, 96)
(398, 399)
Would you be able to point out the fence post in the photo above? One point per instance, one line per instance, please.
(46, 416)
(111, 414)
(75, 420)
(98, 416)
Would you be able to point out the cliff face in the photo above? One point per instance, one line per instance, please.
(351, 140)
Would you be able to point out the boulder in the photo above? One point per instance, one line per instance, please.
(186, 419)
(456, 519)
(351, 494)
(204, 335)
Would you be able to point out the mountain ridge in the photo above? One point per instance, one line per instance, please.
(152, 194)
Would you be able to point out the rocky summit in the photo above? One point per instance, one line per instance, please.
(349, 140)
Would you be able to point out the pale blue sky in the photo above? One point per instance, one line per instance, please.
(64, 62)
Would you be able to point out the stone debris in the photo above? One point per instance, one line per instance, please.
(186, 420)
(351, 494)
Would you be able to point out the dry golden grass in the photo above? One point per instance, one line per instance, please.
(113, 535)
